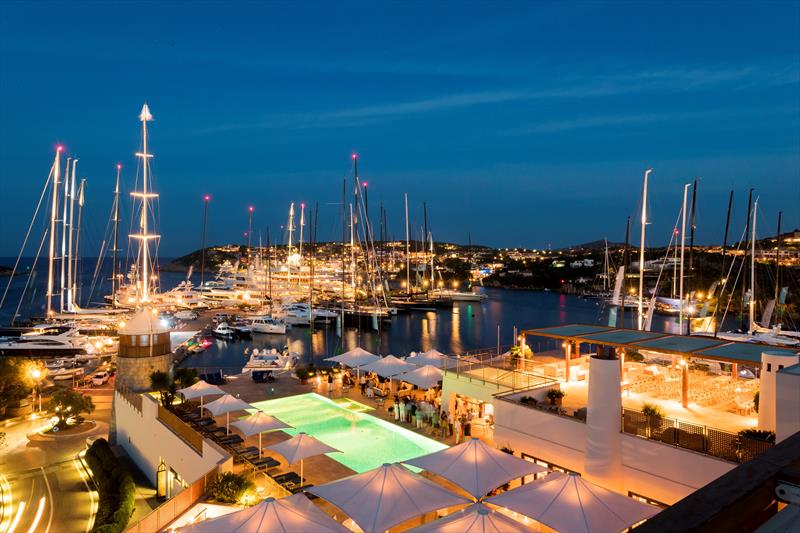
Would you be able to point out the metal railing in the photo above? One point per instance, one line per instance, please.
(504, 372)
(718, 443)
(181, 428)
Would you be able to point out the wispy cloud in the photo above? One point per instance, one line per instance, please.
(666, 80)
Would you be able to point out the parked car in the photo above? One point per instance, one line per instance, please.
(100, 378)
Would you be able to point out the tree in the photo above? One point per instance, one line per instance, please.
(185, 377)
(166, 387)
(16, 379)
(67, 403)
(228, 487)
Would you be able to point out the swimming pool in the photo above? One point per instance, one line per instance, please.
(367, 442)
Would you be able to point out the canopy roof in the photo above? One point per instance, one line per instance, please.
(424, 377)
(567, 502)
(476, 518)
(354, 358)
(301, 446)
(475, 466)
(386, 496)
(388, 367)
(227, 404)
(257, 423)
(683, 345)
(199, 389)
(290, 515)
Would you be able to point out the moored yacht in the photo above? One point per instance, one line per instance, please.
(271, 360)
(45, 345)
(267, 324)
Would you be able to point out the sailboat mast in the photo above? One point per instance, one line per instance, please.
(430, 238)
(53, 216)
(408, 251)
(116, 234)
(753, 270)
(74, 296)
(724, 250)
(744, 326)
(206, 199)
(269, 270)
(626, 256)
(352, 255)
(683, 246)
(291, 227)
(302, 226)
(145, 237)
(63, 256)
(605, 266)
(777, 262)
(641, 249)
(70, 273)
(692, 225)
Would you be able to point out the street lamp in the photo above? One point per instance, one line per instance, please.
(36, 374)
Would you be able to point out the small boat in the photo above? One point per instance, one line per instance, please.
(223, 331)
(242, 329)
(66, 373)
(271, 360)
(267, 324)
(459, 296)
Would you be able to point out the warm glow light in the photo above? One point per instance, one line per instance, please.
(36, 374)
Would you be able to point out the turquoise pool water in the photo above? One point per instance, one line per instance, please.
(366, 441)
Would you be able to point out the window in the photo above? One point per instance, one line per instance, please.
(769, 367)
(541, 462)
(645, 499)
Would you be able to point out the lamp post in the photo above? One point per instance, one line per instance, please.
(36, 374)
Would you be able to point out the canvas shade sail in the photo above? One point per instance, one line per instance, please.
(570, 503)
(476, 467)
(386, 496)
(476, 518)
(286, 515)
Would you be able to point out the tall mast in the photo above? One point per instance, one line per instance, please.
(302, 226)
(144, 237)
(116, 234)
(777, 270)
(753, 270)
(683, 245)
(74, 296)
(626, 256)
(64, 231)
(53, 227)
(724, 250)
(249, 228)
(206, 199)
(605, 266)
(70, 273)
(744, 326)
(291, 227)
(424, 232)
(641, 249)
(352, 254)
(430, 238)
(692, 225)
(269, 270)
(408, 258)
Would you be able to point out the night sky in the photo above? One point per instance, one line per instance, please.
(526, 124)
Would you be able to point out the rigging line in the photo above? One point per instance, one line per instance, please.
(728, 277)
(30, 276)
(27, 235)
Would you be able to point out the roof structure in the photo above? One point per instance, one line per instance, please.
(683, 345)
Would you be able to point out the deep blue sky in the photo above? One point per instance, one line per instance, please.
(524, 123)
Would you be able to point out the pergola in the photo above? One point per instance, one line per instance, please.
(683, 346)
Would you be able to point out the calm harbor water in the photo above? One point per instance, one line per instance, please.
(464, 327)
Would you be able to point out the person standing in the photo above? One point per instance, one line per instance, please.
(457, 429)
(330, 384)
(396, 408)
(403, 411)
(362, 381)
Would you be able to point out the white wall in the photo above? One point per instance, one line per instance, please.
(474, 388)
(787, 402)
(658, 471)
(148, 441)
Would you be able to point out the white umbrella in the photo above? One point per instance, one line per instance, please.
(354, 358)
(424, 377)
(567, 502)
(226, 405)
(431, 357)
(388, 366)
(476, 518)
(300, 447)
(287, 515)
(259, 422)
(475, 466)
(201, 389)
(386, 496)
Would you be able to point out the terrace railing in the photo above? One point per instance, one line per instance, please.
(702, 439)
(503, 372)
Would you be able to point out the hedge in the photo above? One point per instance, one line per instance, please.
(115, 487)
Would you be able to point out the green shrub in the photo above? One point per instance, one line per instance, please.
(228, 487)
(302, 373)
(555, 394)
(758, 434)
(756, 398)
(652, 410)
(115, 487)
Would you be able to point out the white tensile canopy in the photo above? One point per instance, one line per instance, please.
(287, 515)
(200, 389)
(300, 447)
(226, 405)
(431, 357)
(354, 358)
(424, 377)
(475, 466)
(476, 518)
(257, 423)
(388, 367)
(386, 496)
(567, 502)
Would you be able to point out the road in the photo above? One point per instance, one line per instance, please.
(43, 483)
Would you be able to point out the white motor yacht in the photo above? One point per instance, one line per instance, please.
(45, 345)
(223, 331)
(271, 359)
(267, 324)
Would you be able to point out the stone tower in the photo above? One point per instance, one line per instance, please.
(144, 348)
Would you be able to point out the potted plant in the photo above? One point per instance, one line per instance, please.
(654, 415)
(753, 442)
(756, 398)
(555, 396)
(302, 374)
